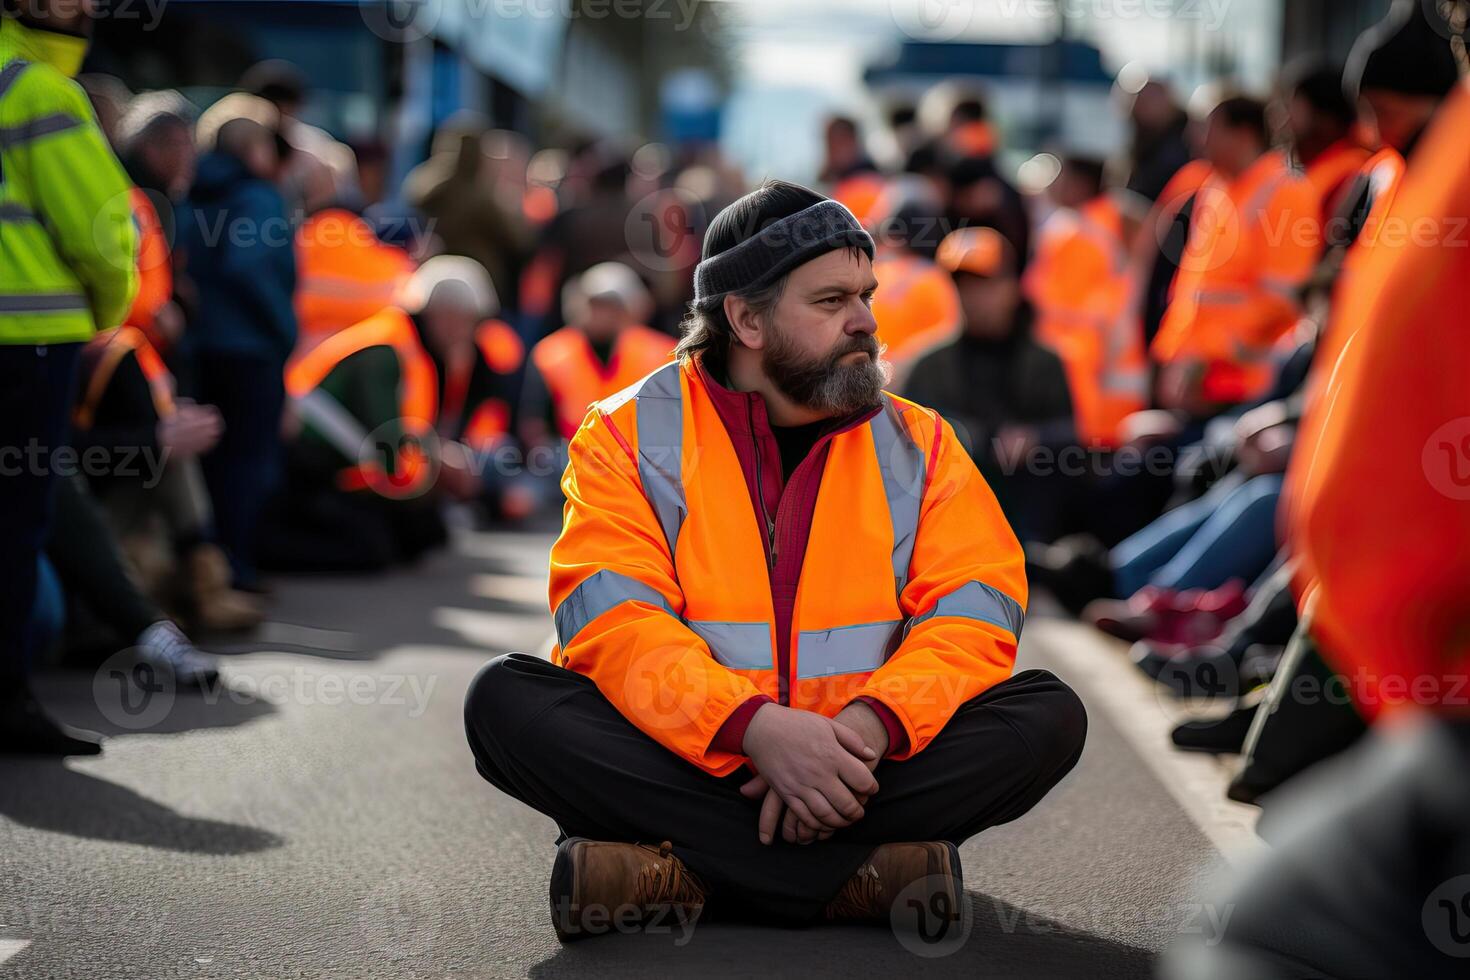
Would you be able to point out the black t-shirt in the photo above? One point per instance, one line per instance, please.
(796, 441)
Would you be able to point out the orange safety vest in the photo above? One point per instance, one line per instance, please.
(344, 273)
(1078, 281)
(1380, 478)
(155, 269)
(1332, 171)
(916, 306)
(575, 378)
(418, 399)
(1252, 244)
(912, 590)
(104, 352)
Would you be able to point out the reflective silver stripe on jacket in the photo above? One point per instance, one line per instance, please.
(901, 462)
(10, 73)
(14, 212)
(660, 413)
(43, 303)
(56, 122)
(595, 596)
(846, 649)
(976, 600)
(739, 646)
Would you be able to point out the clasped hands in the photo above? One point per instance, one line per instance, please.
(815, 773)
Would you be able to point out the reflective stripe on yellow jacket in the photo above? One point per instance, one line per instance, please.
(912, 590)
(67, 241)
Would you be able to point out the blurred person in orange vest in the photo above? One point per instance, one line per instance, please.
(786, 605)
(1383, 520)
(603, 349)
(917, 306)
(1321, 124)
(394, 413)
(1255, 233)
(344, 273)
(158, 509)
(970, 134)
(1079, 281)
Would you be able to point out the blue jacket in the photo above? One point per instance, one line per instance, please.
(239, 249)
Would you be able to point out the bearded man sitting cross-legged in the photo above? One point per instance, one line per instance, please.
(787, 608)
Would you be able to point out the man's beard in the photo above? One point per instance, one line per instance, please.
(827, 384)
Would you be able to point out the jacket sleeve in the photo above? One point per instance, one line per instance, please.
(966, 597)
(82, 195)
(617, 607)
(263, 266)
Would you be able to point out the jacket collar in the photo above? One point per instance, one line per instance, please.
(64, 52)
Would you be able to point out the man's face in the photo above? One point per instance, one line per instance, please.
(820, 348)
(169, 153)
(69, 16)
(449, 327)
(605, 319)
(1223, 144)
(989, 303)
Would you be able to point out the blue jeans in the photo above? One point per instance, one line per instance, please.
(1229, 532)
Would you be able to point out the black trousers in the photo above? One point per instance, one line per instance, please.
(36, 385)
(546, 736)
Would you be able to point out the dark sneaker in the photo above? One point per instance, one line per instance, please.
(600, 886)
(893, 870)
(26, 729)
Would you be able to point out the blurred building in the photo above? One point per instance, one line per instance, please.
(1326, 27)
(394, 69)
(1037, 94)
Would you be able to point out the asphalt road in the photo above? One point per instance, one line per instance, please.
(322, 817)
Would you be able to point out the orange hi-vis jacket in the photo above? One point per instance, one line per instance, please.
(575, 378)
(103, 353)
(344, 273)
(155, 268)
(1078, 281)
(1332, 171)
(1252, 244)
(911, 591)
(1380, 478)
(420, 404)
(916, 306)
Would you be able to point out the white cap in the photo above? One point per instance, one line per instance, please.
(610, 281)
(451, 280)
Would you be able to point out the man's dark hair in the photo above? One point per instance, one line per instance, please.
(968, 110)
(277, 81)
(1087, 169)
(707, 332)
(1244, 112)
(1320, 86)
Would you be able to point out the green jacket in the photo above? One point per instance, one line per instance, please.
(68, 263)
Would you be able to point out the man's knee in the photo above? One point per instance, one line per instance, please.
(495, 698)
(1053, 721)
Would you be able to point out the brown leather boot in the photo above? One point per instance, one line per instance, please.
(603, 886)
(217, 607)
(927, 871)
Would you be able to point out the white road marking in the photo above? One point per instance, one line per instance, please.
(528, 589)
(1197, 781)
(9, 947)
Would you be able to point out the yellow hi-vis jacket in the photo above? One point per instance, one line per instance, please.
(67, 239)
(912, 590)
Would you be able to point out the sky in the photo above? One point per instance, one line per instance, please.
(798, 60)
